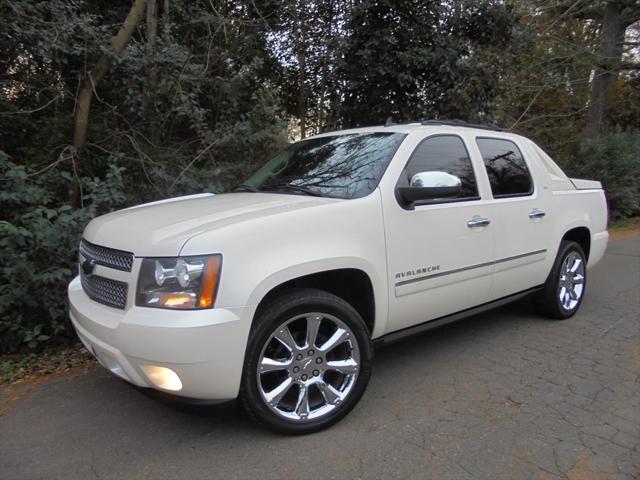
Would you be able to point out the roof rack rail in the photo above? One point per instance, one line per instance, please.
(462, 123)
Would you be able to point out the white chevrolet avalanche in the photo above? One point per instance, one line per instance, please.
(277, 291)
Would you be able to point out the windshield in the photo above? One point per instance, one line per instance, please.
(340, 166)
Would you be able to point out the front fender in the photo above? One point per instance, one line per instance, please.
(261, 253)
(293, 272)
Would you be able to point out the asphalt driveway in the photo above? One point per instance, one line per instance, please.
(505, 394)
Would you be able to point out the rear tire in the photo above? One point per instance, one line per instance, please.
(565, 286)
(307, 364)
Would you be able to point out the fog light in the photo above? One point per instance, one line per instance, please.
(162, 377)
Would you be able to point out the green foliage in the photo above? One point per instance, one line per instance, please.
(194, 113)
(39, 238)
(423, 59)
(614, 160)
(203, 101)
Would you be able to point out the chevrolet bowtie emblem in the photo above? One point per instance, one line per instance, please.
(88, 266)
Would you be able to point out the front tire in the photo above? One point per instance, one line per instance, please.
(565, 286)
(308, 362)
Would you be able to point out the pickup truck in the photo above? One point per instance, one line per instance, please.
(277, 291)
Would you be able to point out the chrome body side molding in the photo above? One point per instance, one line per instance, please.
(471, 267)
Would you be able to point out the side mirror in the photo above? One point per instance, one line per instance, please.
(430, 186)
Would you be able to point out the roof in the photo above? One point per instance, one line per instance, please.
(449, 126)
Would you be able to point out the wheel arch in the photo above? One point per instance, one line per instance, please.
(352, 284)
(582, 236)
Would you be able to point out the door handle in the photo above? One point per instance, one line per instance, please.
(535, 213)
(478, 221)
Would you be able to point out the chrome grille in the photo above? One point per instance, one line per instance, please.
(105, 290)
(107, 257)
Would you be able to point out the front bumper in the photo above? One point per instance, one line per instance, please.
(205, 348)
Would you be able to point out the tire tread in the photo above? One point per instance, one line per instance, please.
(545, 301)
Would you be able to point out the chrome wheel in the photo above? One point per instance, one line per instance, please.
(308, 366)
(571, 284)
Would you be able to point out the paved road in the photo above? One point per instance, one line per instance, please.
(501, 395)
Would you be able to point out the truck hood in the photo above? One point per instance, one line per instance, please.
(162, 228)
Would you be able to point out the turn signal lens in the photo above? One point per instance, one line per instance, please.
(210, 283)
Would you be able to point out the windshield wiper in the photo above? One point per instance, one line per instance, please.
(245, 188)
(277, 188)
(293, 188)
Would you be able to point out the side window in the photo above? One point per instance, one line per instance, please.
(506, 168)
(443, 153)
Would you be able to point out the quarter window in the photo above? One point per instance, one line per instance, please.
(442, 153)
(506, 168)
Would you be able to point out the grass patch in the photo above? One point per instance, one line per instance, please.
(626, 224)
(21, 366)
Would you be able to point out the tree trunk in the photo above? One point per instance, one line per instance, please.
(324, 69)
(299, 48)
(151, 74)
(302, 97)
(610, 51)
(93, 77)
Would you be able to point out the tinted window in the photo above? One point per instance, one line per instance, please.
(507, 170)
(343, 166)
(443, 153)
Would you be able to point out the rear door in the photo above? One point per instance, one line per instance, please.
(439, 253)
(519, 214)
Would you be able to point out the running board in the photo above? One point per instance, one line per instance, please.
(439, 322)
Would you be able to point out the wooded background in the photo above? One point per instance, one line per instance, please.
(109, 103)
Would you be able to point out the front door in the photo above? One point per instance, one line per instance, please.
(439, 253)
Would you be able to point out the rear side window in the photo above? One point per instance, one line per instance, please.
(506, 168)
(442, 153)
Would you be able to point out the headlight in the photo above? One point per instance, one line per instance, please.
(183, 283)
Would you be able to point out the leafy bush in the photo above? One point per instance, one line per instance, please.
(39, 237)
(197, 112)
(614, 160)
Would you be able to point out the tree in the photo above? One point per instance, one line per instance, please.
(618, 16)
(415, 59)
(547, 84)
(92, 78)
(305, 37)
(206, 76)
(550, 84)
(151, 73)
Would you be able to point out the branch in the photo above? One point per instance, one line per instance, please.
(92, 78)
(535, 97)
(35, 109)
(120, 40)
(179, 177)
